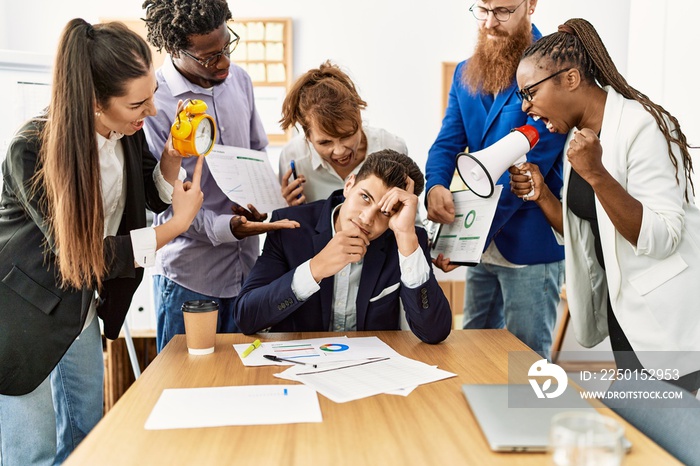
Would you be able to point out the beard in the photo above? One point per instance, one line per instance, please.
(492, 67)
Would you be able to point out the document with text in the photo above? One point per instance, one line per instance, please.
(463, 240)
(352, 380)
(315, 350)
(246, 177)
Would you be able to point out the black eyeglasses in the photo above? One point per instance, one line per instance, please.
(525, 93)
(214, 59)
(502, 14)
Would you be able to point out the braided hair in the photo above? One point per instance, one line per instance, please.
(170, 23)
(578, 45)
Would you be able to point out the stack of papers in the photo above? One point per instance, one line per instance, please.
(341, 382)
(346, 369)
(340, 368)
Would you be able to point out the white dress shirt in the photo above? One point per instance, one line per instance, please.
(112, 177)
(414, 272)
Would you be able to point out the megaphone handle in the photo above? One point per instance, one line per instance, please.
(529, 175)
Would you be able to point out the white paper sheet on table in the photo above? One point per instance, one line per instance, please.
(316, 350)
(234, 406)
(353, 380)
(246, 177)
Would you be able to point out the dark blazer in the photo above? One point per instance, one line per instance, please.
(267, 300)
(38, 319)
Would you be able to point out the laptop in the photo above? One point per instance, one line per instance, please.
(519, 429)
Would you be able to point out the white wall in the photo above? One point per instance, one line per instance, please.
(663, 61)
(4, 35)
(393, 49)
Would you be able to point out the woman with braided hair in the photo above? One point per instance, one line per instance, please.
(626, 215)
(326, 104)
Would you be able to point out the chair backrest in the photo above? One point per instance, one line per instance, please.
(674, 424)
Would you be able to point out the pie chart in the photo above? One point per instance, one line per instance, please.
(333, 347)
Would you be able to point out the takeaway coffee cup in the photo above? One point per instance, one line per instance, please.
(200, 325)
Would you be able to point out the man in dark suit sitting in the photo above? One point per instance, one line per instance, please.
(356, 257)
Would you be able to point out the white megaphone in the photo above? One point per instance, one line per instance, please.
(483, 168)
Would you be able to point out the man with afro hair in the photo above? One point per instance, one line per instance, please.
(213, 257)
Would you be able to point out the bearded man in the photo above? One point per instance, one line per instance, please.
(517, 283)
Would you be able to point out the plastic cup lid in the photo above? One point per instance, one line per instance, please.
(201, 305)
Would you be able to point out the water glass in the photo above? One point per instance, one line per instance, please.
(585, 439)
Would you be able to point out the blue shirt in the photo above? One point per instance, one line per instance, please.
(207, 258)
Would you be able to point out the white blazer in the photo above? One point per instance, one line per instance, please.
(654, 287)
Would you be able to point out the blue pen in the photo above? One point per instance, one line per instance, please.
(294, 173)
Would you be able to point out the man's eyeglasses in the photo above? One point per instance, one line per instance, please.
(526, 92)
(502, 14)
(214, 59)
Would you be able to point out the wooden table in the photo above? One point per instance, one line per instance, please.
(433, 425)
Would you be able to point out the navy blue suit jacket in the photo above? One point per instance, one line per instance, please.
(267, 300)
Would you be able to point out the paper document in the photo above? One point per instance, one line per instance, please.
(464, 239)
(234, 406)
(246, 177)
(353, 380)
(316, 350)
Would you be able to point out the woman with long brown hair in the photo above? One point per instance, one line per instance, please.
(327, 106)
(73, 236)
(630, 226)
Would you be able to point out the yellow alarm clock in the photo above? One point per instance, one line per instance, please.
(194, 132)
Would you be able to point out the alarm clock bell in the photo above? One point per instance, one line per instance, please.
(194, 132)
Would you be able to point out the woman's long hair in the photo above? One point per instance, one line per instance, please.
(93, 64)
(577, 44)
